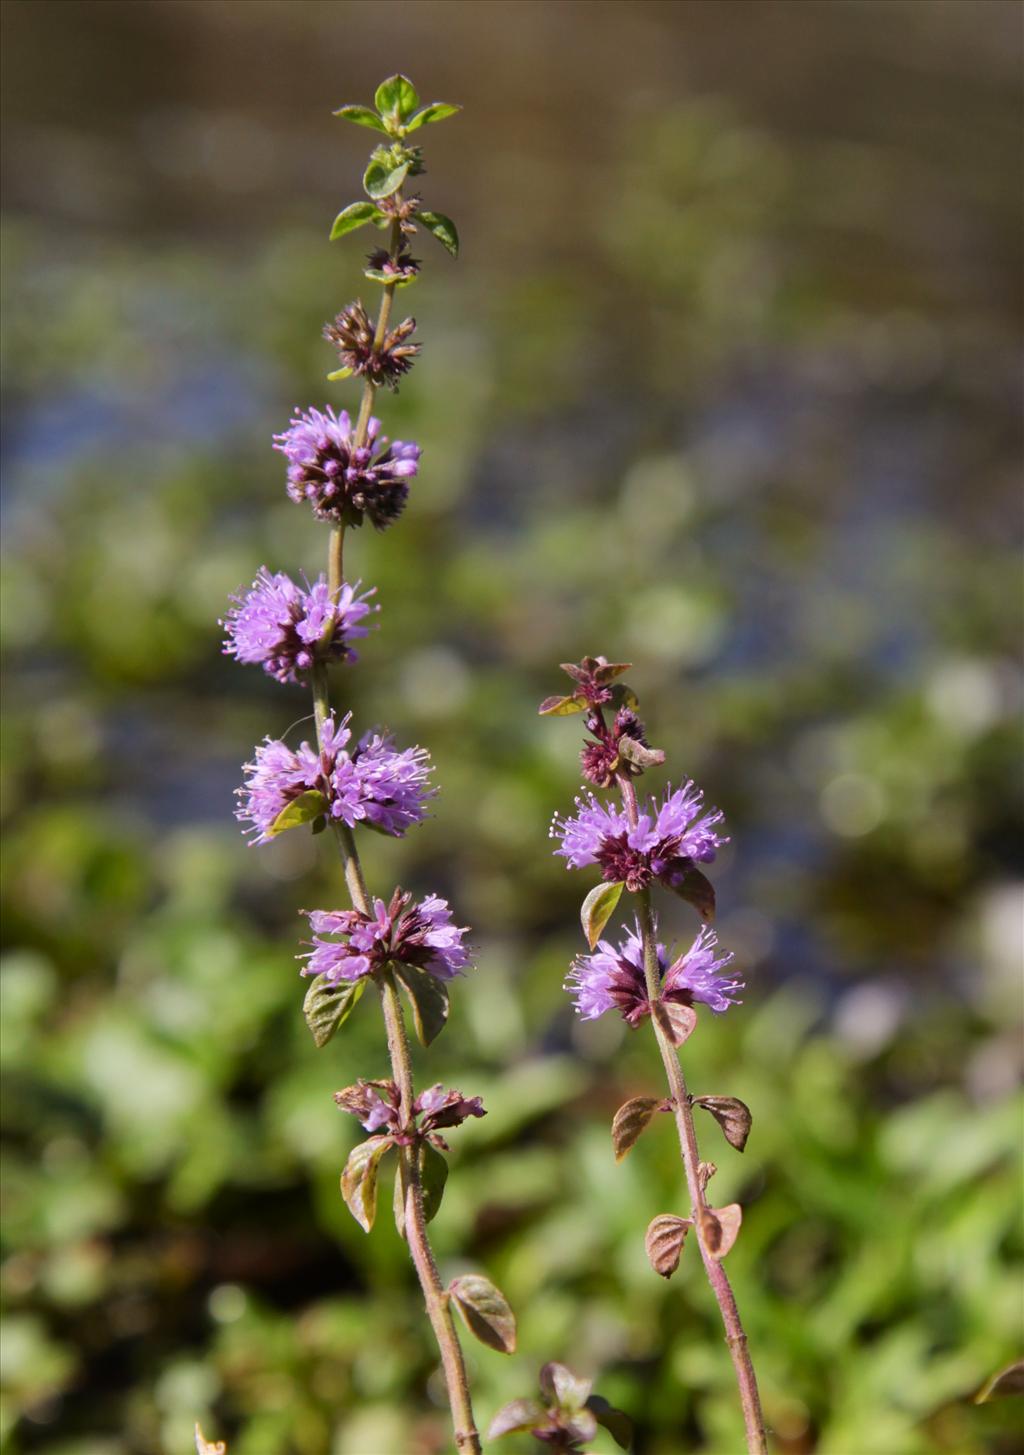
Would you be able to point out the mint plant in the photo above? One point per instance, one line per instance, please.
(351, 474)
(636, 846)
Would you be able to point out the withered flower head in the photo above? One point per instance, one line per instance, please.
(352, 334)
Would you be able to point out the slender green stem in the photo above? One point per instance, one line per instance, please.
(467, 1439)
(753, 1419)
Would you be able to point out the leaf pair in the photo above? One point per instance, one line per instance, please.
(359, 1181)
(380, 185)
(396, 100)
(667, 1233)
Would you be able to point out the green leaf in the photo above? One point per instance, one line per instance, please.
(696, 888)
(362, 116)
(632, 1118)
(433, 1176)
(664, 1242)
(618, 1424)
(396, 97)
(359, 1180)
(520, 1415)
(442, 228)
(731, 1114)
(486, 1311)
(560, 706)
(381, 179)
(433, 1170)
(356, 214)
(304, 809)
(336, 374)
(598, 908)
(436, 111)
(563, 1387)
(1007, 1381)
(327, 1006)
(428, 1000)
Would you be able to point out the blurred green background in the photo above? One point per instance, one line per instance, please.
(725, 384)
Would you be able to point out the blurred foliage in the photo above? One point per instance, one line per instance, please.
(749, 422)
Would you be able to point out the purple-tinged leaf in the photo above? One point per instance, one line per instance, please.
(696, 888)
(731, 1114)
(719, 1228)
(664, 1242)
(678, 1021)
(486, 1311)
(632, 1118)
(564, 1388)
(598, 908)
(520, 1415)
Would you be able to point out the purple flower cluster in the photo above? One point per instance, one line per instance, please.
(348, 944)
(377, 1105)
(374, 783)
(613, 979)
(344, 482)
(666, 839)
(284, 629)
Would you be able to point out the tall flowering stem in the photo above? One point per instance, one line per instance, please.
(637, 846)
(349, 474)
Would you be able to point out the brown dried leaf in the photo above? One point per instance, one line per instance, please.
(731, 1114)
(630, 1120)
(664, 1242)
(719, 1227)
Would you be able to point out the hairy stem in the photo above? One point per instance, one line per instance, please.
(335, 561)
(753, 1419)
(467, 1439)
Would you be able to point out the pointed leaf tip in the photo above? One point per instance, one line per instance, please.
(630, 1121)
(731, 1114)
(598, 908)
(428, 1000)
(359, 1180)
(328, 1006)
(442, 228)
(396, 97)
(664, 1242)
(486, 1311)
(304, 809)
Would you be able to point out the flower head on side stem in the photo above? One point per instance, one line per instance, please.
(348, 944)
(613, 978)
(345, 482)
(286, 629)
